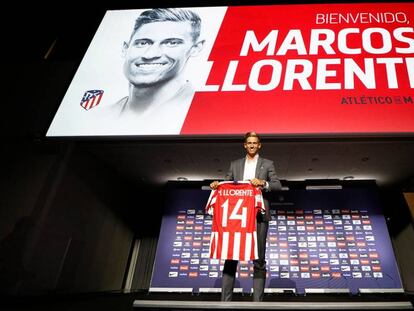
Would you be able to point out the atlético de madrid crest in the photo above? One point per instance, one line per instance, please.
(91, 99)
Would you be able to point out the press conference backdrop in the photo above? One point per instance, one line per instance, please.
(329, 240)
(295, 69)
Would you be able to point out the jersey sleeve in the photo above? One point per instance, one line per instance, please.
(209, 209)
(259, 202)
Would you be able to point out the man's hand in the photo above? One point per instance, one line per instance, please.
(257, 182)
(214, 185)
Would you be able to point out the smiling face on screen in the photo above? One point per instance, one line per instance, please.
(158, 52)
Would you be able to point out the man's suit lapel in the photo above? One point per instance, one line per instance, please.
(258, 167)
(241, 170)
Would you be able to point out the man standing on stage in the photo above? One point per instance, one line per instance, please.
(261, 173)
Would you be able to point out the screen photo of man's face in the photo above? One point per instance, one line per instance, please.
(157, 52)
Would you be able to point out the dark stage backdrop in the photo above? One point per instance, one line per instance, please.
(318, 240)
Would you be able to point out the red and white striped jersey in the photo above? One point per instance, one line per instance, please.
(234, 207)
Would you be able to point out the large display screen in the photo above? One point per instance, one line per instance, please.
(318, 240)
(278, 69)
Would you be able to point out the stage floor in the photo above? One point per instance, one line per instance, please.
(143, 300)
(245, 305)
(184, 301)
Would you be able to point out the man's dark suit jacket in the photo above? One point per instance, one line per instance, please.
(265, 170)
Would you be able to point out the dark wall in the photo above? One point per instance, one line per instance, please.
(62, 228)
(401, 228)
(30, 166)
(24, 173)
(66, 220)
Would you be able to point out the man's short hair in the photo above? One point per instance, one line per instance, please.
(251, 134)
(170, 15)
